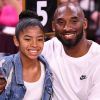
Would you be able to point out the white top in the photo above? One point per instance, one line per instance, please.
(74, 78)
(34, 89)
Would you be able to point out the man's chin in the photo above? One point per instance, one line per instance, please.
(66, 43)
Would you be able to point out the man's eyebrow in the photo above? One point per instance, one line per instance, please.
(59, 19)
(75, 17)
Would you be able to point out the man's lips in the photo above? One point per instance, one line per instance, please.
(69, 32)
(69, 35)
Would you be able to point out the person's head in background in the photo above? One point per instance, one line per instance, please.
(1, 4)
(15, 4)
(29, 35)
(4, 2)
(70, 24)
(9, 11)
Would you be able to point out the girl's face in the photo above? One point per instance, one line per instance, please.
(30, 43)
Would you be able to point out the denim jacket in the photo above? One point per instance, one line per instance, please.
(15, 89)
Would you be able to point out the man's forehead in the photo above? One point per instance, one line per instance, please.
(69, 9)
(69, 5)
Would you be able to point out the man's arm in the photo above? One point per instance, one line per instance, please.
(95, 89)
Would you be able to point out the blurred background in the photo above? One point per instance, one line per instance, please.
(10, 10)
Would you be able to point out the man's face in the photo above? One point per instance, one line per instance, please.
(68, 26)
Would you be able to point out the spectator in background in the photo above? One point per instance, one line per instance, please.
(91, 9)
(9, 11)
(96, 13)
(95, 16)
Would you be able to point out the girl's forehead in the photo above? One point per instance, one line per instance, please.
(33, 30)
(36, 27)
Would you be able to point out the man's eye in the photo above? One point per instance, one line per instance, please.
(75, 21)
(60, 22)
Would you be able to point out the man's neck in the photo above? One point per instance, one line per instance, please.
(79, 50)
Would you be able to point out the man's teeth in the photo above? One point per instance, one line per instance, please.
(69, 36)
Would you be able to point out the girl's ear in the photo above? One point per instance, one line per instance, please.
(16, 42)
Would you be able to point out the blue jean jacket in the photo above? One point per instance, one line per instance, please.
(16, 89)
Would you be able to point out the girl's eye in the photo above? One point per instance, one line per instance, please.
(41, 39)
(27, 39)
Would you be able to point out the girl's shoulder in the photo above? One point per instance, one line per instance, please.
(6, 64)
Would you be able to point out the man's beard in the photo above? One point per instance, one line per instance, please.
(70, 43)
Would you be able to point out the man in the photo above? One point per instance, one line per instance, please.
(74, 60)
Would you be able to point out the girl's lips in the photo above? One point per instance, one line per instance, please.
(33, 51)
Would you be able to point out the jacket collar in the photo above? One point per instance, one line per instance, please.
(48, 78)
(18, 69)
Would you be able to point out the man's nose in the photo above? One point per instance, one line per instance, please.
(67, 27)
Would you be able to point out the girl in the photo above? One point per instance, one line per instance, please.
(27, 74)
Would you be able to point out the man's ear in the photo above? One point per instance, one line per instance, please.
(53, 26)
(85, 23)
(16, 42)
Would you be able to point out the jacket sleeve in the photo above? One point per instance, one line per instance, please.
(5, 66)
(6, 69)
(2, 61)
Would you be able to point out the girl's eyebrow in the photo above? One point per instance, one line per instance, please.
(27, 36)
(40, 35)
